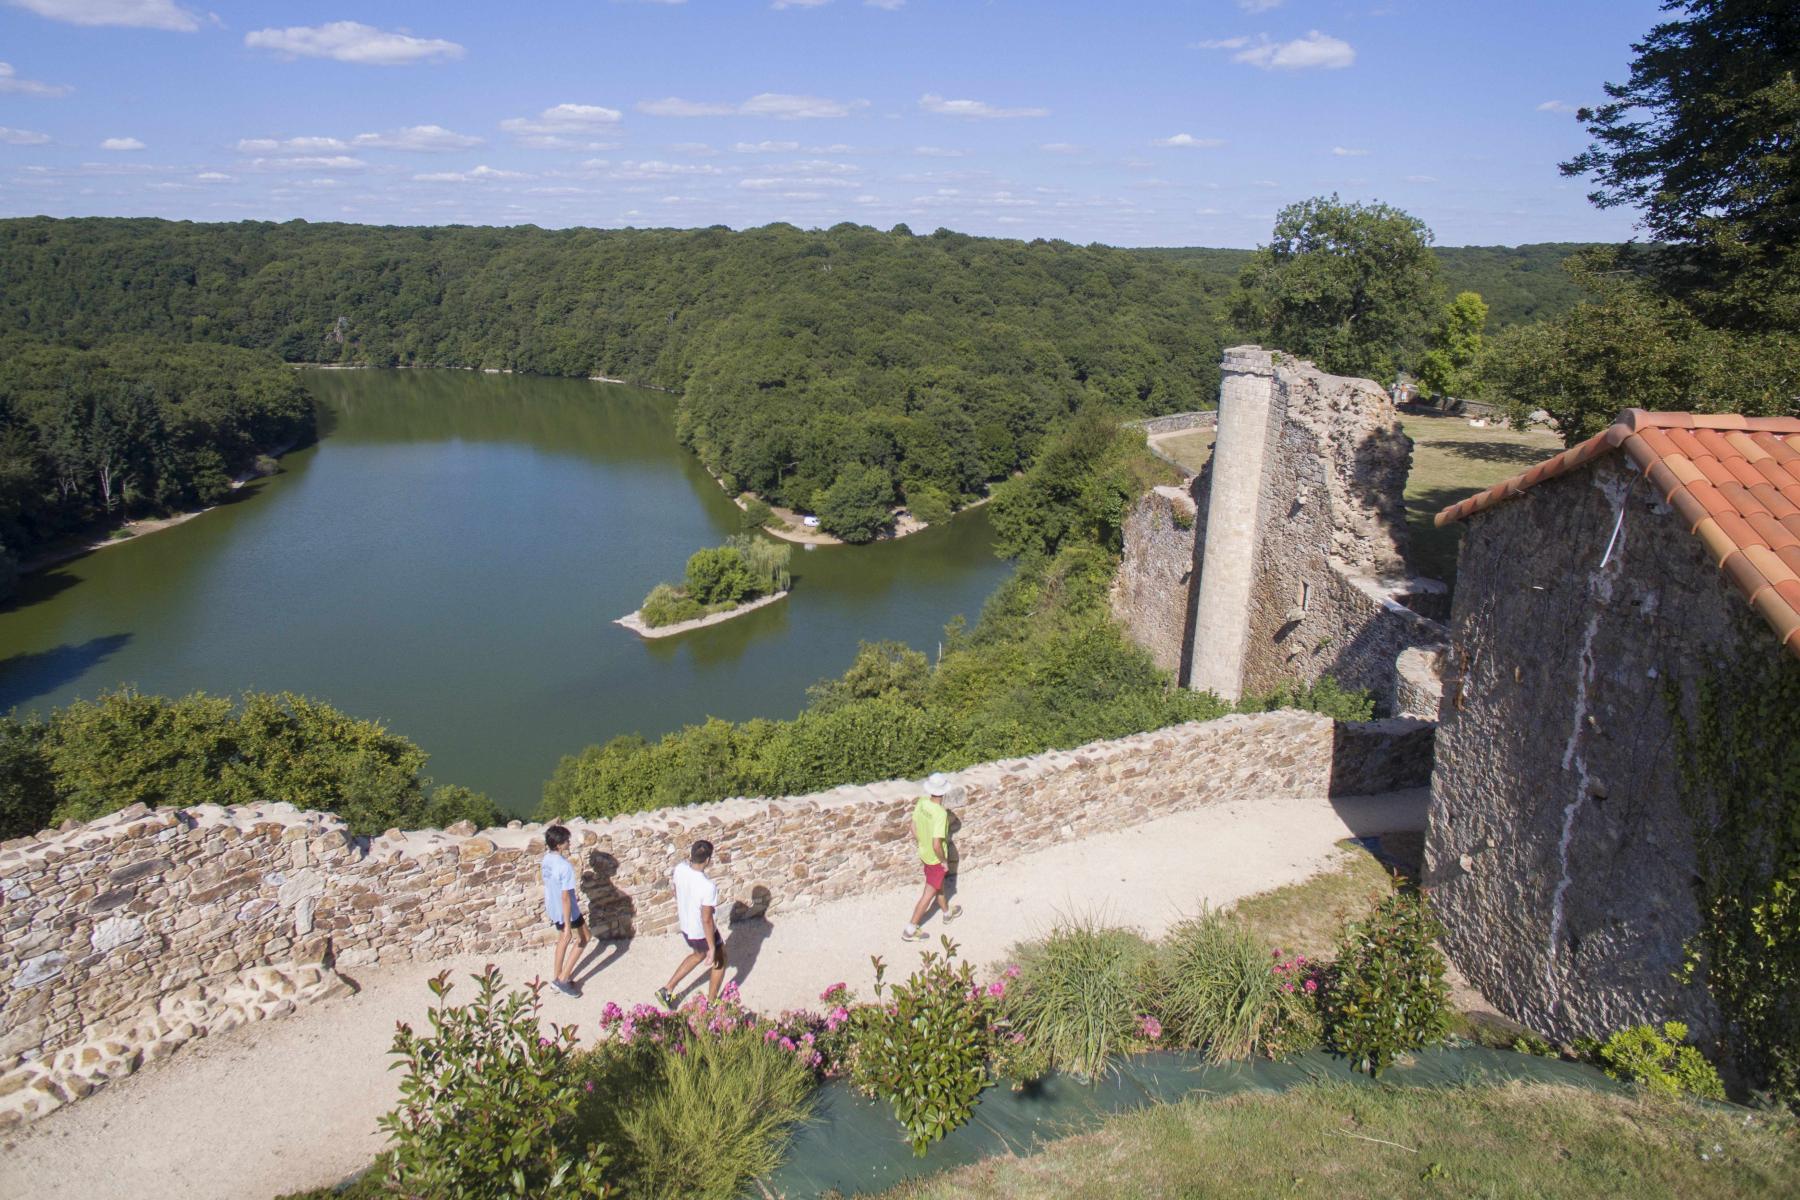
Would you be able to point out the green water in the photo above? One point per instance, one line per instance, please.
(449, 559)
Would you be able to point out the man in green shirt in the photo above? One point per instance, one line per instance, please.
(931, 823)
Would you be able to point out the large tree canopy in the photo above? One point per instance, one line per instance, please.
(1349, 286)
(1702, 140)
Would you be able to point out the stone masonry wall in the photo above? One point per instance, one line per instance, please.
(1330, 546)
(1558, 854)
(136, 931)
(1150, 598)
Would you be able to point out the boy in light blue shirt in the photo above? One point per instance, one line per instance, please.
(563, 910)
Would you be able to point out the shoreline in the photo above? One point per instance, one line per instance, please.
(323, 366)
(796, 532)
(634, 622)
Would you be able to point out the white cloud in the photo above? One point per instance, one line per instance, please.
(293, 145)
(564, 118)
(1556, 106)
(10, 82)
(780, 105)
(656, 169)
(1314, 50)
(1188, 139)
(352, 42)
(481, 174)
(765, 147)
(21, 137)
(309, 162)
(1258, 6)
(1348, 152)
(137, 14)
(979, 109)
(804, 181)
(424, 138)
(212, 177)
(121, 143)
(698, 149)
(938, 152)
(889, 5)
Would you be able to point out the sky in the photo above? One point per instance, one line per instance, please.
(1127, 122)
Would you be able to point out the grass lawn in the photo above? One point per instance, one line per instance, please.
(1306, 918)
(1514, 1140)
(1451, 460)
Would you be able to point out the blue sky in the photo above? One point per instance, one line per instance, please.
(1126, 122)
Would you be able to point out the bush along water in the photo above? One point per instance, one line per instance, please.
(1387, 993)
(719, 579)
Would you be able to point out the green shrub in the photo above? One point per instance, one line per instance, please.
(1388, 994)
(927, 1052)
(929, 504)
(1082, 993)
(1532, 1044)
(488, 1102)
(717, 1117)
(1219, 989)
(1659, 1059)
(1324, 695)
(667, 606)
(27, 790)
(757, 513)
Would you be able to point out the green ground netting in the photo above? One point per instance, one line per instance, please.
(853, 1145)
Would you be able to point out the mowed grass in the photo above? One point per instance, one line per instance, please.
(1307, 918)
(1451, 461)
(1512, 1140)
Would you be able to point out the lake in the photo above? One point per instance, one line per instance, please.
(449, 559)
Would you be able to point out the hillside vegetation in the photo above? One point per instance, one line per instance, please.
(886, 365)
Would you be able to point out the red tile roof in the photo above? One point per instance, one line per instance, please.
(1733, 481)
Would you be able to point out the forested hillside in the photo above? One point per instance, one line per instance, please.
(1520, 284)
(129, 426)
(876, 362)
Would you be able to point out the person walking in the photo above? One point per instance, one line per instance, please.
(931, 824)
(563, 909)
(696, 901)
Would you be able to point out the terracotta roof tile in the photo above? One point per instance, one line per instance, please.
(1733, 482)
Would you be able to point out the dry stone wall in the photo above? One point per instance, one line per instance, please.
(136, 932)
(1151, 599)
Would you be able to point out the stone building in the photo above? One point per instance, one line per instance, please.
(1593, 592)
(1289, 563)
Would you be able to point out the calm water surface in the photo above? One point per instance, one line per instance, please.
(449, 559)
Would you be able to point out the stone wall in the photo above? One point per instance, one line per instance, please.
(132, 933)
(1150, 595)
(1175, 422)
(1558, 852)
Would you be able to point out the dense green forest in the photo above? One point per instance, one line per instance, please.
(1519, 284)
(914, 365)
(132, 425)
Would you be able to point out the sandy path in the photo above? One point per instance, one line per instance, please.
(291, 1104)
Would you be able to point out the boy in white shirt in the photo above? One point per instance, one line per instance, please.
(563, 910)
(696, 897)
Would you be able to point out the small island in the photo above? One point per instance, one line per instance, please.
(720, 583)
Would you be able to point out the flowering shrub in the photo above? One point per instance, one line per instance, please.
(489, 1102)
(649, 1025)
(927, 1049)
(1388, 993)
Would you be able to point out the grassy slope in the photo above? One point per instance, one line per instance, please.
(1514, 1140)
(1451, 460)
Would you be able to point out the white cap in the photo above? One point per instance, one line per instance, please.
(938, 784)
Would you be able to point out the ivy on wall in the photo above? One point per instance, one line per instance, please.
(1739, 762)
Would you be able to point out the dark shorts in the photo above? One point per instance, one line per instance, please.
(934, 877)
(698, 945)
(577, 923)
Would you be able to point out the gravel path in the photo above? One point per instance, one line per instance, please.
(289, 1104)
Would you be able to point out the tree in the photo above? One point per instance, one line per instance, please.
(1349, 286)
(1701, 140)
(1448, 369)
(855, 506)
(717, 575)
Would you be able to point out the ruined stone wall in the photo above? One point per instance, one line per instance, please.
(130, 934)
(1558, 855)
(1330, 545)
(1150, 593)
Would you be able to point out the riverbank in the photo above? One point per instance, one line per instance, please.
(634, 620)
(795, 529)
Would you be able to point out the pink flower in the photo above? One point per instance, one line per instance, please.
(771, 1035)
(588, 1087)
(729, 993)
(1012, 971)
(832, 992)
(543, 1041)
(996, 989)
(612, 1012)
(1150, 1027)
(1312, 985)
(787, 1043)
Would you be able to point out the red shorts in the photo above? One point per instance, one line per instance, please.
(934, 877)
